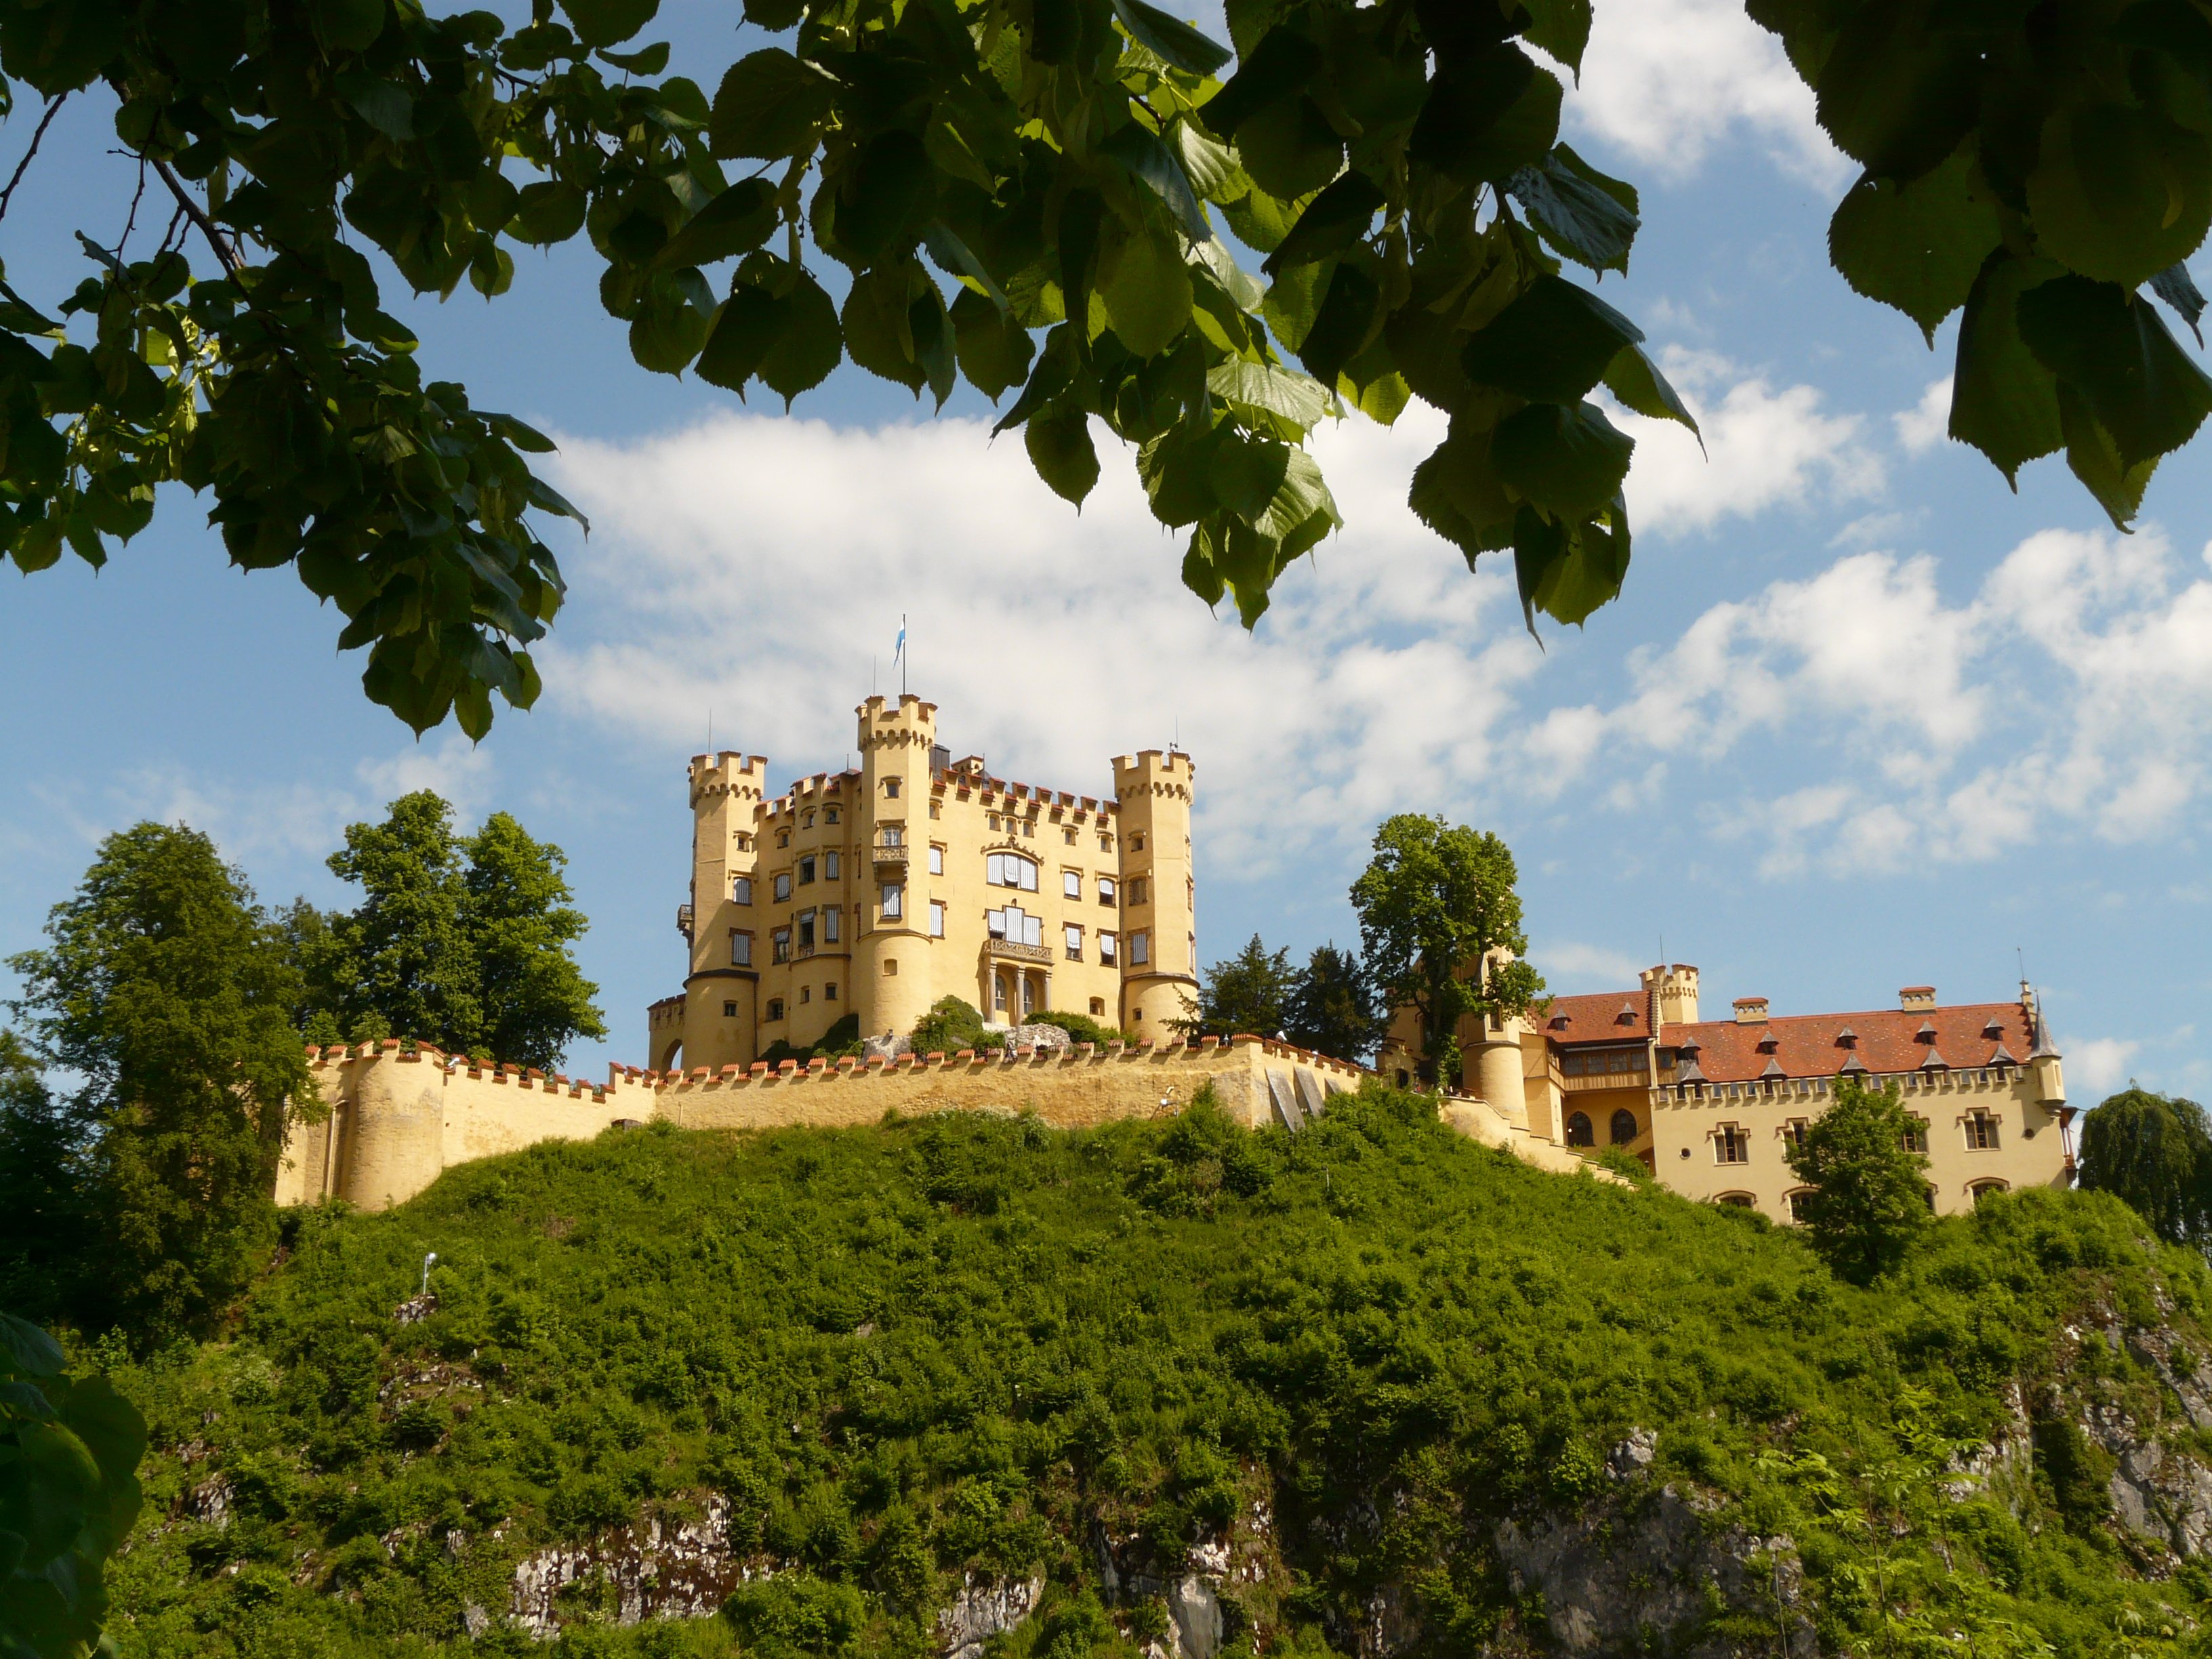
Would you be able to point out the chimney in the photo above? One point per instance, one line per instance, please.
(1915, 998)
(1751, 1010)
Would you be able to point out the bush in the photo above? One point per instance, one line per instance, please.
(952, 1026)
(1081, 1028)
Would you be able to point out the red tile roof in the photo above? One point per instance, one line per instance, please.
(1597, 1018)
(1887, 1039)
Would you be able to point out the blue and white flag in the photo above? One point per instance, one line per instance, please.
(899, 650)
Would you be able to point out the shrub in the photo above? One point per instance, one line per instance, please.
(1081, 1028)
(952, 1026)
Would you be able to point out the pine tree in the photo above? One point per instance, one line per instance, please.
(1333, 1008)
(1249, 993)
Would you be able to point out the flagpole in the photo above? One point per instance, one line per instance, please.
(902, 656)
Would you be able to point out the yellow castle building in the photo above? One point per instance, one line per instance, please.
(1711, 1107)
(875, 892)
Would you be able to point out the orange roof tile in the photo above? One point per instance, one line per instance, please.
(1598, 1019)
(1888, 1041)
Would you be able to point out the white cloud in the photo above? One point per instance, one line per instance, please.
(2098, 1066)
(1762, 448)
(1669, 79)
(1928, 423)
(1946, 732)
(1566, 965)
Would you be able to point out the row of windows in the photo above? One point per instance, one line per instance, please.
(775, 1010)
(1982, 1132)
(1011, 923)
(1000, 870)
(1623, 1128)
(1794, 1202)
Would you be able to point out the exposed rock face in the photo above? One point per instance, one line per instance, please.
(1038, 1037)
(984, 1608)
(1194, 1616)
(659, 1568)
(885, 1047)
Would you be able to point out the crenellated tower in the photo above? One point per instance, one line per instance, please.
(721, 1009)
(891, 959)
(1159, 895)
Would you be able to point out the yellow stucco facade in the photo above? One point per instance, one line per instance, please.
(877, 891)
(1711, 1106)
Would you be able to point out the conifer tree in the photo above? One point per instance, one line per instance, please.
(1249, 993)
(1333, 1008)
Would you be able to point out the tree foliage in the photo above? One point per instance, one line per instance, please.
(1440, 918)
(2154, 1153)
(1250, 992)
(2036, 168)
(460, 941)
(166, 994)
(69, 1448)
(1869, 1197)
(1333, 1007)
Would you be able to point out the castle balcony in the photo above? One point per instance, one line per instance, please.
(891, 858)
(1639, 1078)
(1007, 950)
(683, 920)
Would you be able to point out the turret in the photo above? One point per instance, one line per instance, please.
(723, 935)
(1677, 988)
(892, 958)
(1159, 925)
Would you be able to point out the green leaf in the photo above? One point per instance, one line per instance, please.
(2094, 458)
(2003, 401)
(1634, 378)
(1273, 72)
(1457, 492)
(670, 325)
(808, 347)
(547, 212)
(1590, 572)
(342, 25)
(2118, 194)
(1896, 93)
(773, 15)
(1581, 213)
(1251, 387)
(771, 105)
(736, 221)
(1146, 289)
(993, 349)
(1243, 473)
(1342, 325)
(1168, 38)
(888, 196)
(1207, 162)
(1487, 116)
(1058, 439)
(1290, 148)
(1552, 344)
(607, 22)
(2110, 347)
(2178, 289)
(1562, 28)
(1199, 574)
(1259, 219)
(386, 108)
(1567, 462)
(878, 336)
(109, 1426)
(646, 60)
(26, 1350)
(1332, 221)
(1917, 247)
(1150, 161)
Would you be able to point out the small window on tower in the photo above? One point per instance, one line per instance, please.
(775, 1008)
(807, 822)
(936, 860)
(1071, 883)
(891, 788)
(1068, 835)
(1097, 1007)
(783, 838)
(1137, 842)
(741, 949)
(806, 871)
(1137, 889)
(830, 919)
(729, 1011)
(831, 815)
(783, 887)
(829, 991)
(806, 994)
(1141, 949)
(1106, 889)
(741, 890)
(936, 919)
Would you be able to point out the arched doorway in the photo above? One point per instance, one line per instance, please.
(672, 1057)
(1579, 1133)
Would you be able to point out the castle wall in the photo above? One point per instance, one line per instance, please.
(399, 1120)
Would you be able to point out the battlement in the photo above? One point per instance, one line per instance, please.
(1151, 772)
(728, 773)
(907, 723)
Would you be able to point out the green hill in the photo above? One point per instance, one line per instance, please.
(1372, 1389)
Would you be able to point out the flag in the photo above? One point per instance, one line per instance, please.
(899, 650)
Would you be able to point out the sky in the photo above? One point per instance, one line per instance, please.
(1864, 717)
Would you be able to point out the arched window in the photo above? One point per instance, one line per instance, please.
(1578, 1130)
(1624, 1126)
(1981, 1189)
(1794, 1202)
(1738, 1201)
(1011, 870)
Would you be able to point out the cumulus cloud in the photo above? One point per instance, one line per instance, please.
(1928, 423)
(1668, 80)
(1568, 966)
(2098, 1066)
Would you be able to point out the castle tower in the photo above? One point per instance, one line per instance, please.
(1490, 1053)
(1159, 924)
(720, 1017)
(1677, 989)
(892, 958)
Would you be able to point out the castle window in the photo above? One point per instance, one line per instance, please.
(1141, 949)
(806, 930)
(830, 920)
(806, 994)
(775, 1008)
(934, 812)
(829, 991)
(1071, 883)
(1738, 1201)
(1029, 829)
(894, 835)
(830, 867)
(729, 1011)
(1578, 1130)
(1110, 949)
(1105, 843)
(783, 887)
(1106, 889)
(1916, 1135)
(1979, 1190)
(783, 838)
(1097, 1007)
(1136, 889)
(1011, 870)
(999, 993)
(830, 816)
(1069, 836)
(891, 788)
(1798, 1203)
(1137, 842)
(1623, 1126)
(806, 871)
(890, 967)
(1731, 1145)
(893, 900)
(741, 890)
(1015, 925)
(937, 919)
(1072, 938)
(741, 949)
(935, 860)
(992, 818)
(778, 949)
(1794, 1131)
(1981, 1132)
(807, 822)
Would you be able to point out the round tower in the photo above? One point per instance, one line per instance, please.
(725, 934)
(1159, 923)
(893, 957)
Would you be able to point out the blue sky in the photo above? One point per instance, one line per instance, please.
(1864, 718)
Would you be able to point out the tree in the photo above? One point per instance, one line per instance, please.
(1440, 919)
(1249, 993)
(167, 993)
(2154, 1152)
(459, 941)
(46, 1240)
(1333, 1008)
(1057, 172)
(1869, 1189)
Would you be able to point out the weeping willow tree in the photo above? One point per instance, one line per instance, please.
(2154, 1151)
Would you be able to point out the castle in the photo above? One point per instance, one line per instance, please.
(875, 892)
(1711, 1106)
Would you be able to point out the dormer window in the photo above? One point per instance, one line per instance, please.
(1847, 1038)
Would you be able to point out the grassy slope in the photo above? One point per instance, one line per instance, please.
(1150, 1323)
